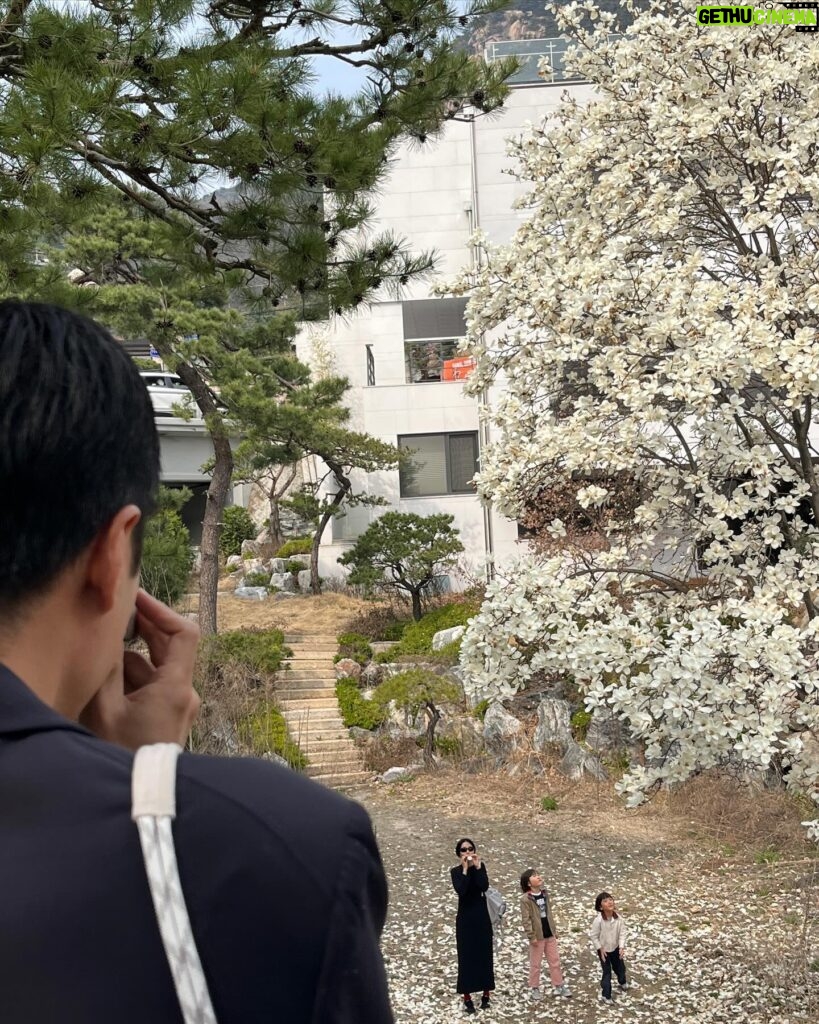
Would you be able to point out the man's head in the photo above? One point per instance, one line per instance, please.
(79, 470)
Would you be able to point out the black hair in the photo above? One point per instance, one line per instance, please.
(524, 878)
(598, 903)
(77, 443)
(460, 843)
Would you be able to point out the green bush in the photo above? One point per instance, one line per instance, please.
(480, 709)
(548, 803)
(236, 527)
(355, 646)
(449, 746)
(296, 546)
(266, 730)
(355, 708)
(394, 630)
(416, 637)
(580, 722)
(167, 556)
(257, 579)
(294, 567)
(262, 651)
(415, 688)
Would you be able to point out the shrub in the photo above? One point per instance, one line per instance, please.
(388, 752)
(167, 556)
(417, 637)
(294, 567)
(548, 803)
(355, 646)
(261, 651)
(449, 746)
(296, 546)
(355, 708)
(266, 730)
(480, 709)
(381, 622)
(236, 527)
(580, 722)
(257, 579)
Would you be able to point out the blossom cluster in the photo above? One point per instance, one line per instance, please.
(656, 315)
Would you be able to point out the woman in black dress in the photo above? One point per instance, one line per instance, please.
(473, 929)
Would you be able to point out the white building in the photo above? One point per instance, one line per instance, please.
(397, 353)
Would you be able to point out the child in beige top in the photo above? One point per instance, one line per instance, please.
(608, 937)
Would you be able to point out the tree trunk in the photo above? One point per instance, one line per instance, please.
(216, 496)
(433, 718)
(416, 605)
(275, 524)
(275, 495)
(344, 488)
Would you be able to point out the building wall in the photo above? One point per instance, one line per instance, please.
(434, 197)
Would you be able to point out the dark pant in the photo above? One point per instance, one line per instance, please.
(613, 962)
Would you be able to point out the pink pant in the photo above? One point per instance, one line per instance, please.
(537, 950)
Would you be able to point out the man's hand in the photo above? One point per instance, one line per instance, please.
(150, 701)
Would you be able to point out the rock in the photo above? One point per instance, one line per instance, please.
(254, 549)
(302, 560)
(253, 565)
(277, 565)
(606, 731)
(447, 636)
(380, 646)
(578, 762)
(553, 725)
(501, 731)
(281, 594)
(304, 580)
(196, 565)
(361, 737)
(251, 593)
(398, 774)
(371, 675)
(271, 755)
(347, 669)
(465, 729)
(234, 562)
(283, 581)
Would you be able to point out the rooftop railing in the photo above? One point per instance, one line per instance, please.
(530, 52)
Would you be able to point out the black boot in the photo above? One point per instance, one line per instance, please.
(485, 1001)
(469, 1006)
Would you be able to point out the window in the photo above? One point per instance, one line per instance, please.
(370, 367)
(440, 464)
(432, 328)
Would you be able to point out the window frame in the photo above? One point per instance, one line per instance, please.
(447, 435)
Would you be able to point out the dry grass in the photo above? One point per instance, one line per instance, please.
(716, 812)
(327, 614)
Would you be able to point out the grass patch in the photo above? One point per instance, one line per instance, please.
(416, 637)
(355, 709)
(580, 722)
(355, 646)
(770, 855)
(296, 546)
(480, 709)
(548, 803)
(265, 731)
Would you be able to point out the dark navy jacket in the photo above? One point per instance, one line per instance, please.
(282, 877)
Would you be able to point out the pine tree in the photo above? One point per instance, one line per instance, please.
(159, 103)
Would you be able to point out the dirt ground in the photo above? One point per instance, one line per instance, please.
(719, 931)
(301, 614)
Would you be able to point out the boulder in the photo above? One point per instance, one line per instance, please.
(502, 732)
(553, 725)
(271, 755)
(277, 565)
(283, 581)
(447, 636)
(361, 737)
(578, 762)
(251, 593)
(399, 774)
(255, 549)
(371, 675)
(347, 669)
(304, 580)
(281, 594)
(468, 732)
(606, 731)
(234, 562)
(253, 565)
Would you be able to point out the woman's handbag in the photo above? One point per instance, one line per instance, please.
(153, 808)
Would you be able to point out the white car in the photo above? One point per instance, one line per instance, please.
(166, 391)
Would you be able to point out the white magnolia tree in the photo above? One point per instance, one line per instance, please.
(655, 322)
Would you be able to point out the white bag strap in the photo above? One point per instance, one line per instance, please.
(153, 808)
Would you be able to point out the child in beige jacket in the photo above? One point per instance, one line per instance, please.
(608, 937)
(539, 927)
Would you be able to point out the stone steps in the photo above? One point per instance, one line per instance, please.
(307, 699)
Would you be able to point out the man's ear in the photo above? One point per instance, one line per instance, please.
(111, 558)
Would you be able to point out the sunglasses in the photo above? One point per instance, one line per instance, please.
(467, 849)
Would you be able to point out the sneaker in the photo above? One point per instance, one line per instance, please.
(535, 994)
(562, 990)
(469, 1006)
(484, 1002)
(606, 1002)
(623, 988)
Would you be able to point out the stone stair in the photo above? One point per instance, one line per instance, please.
(306, 695)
